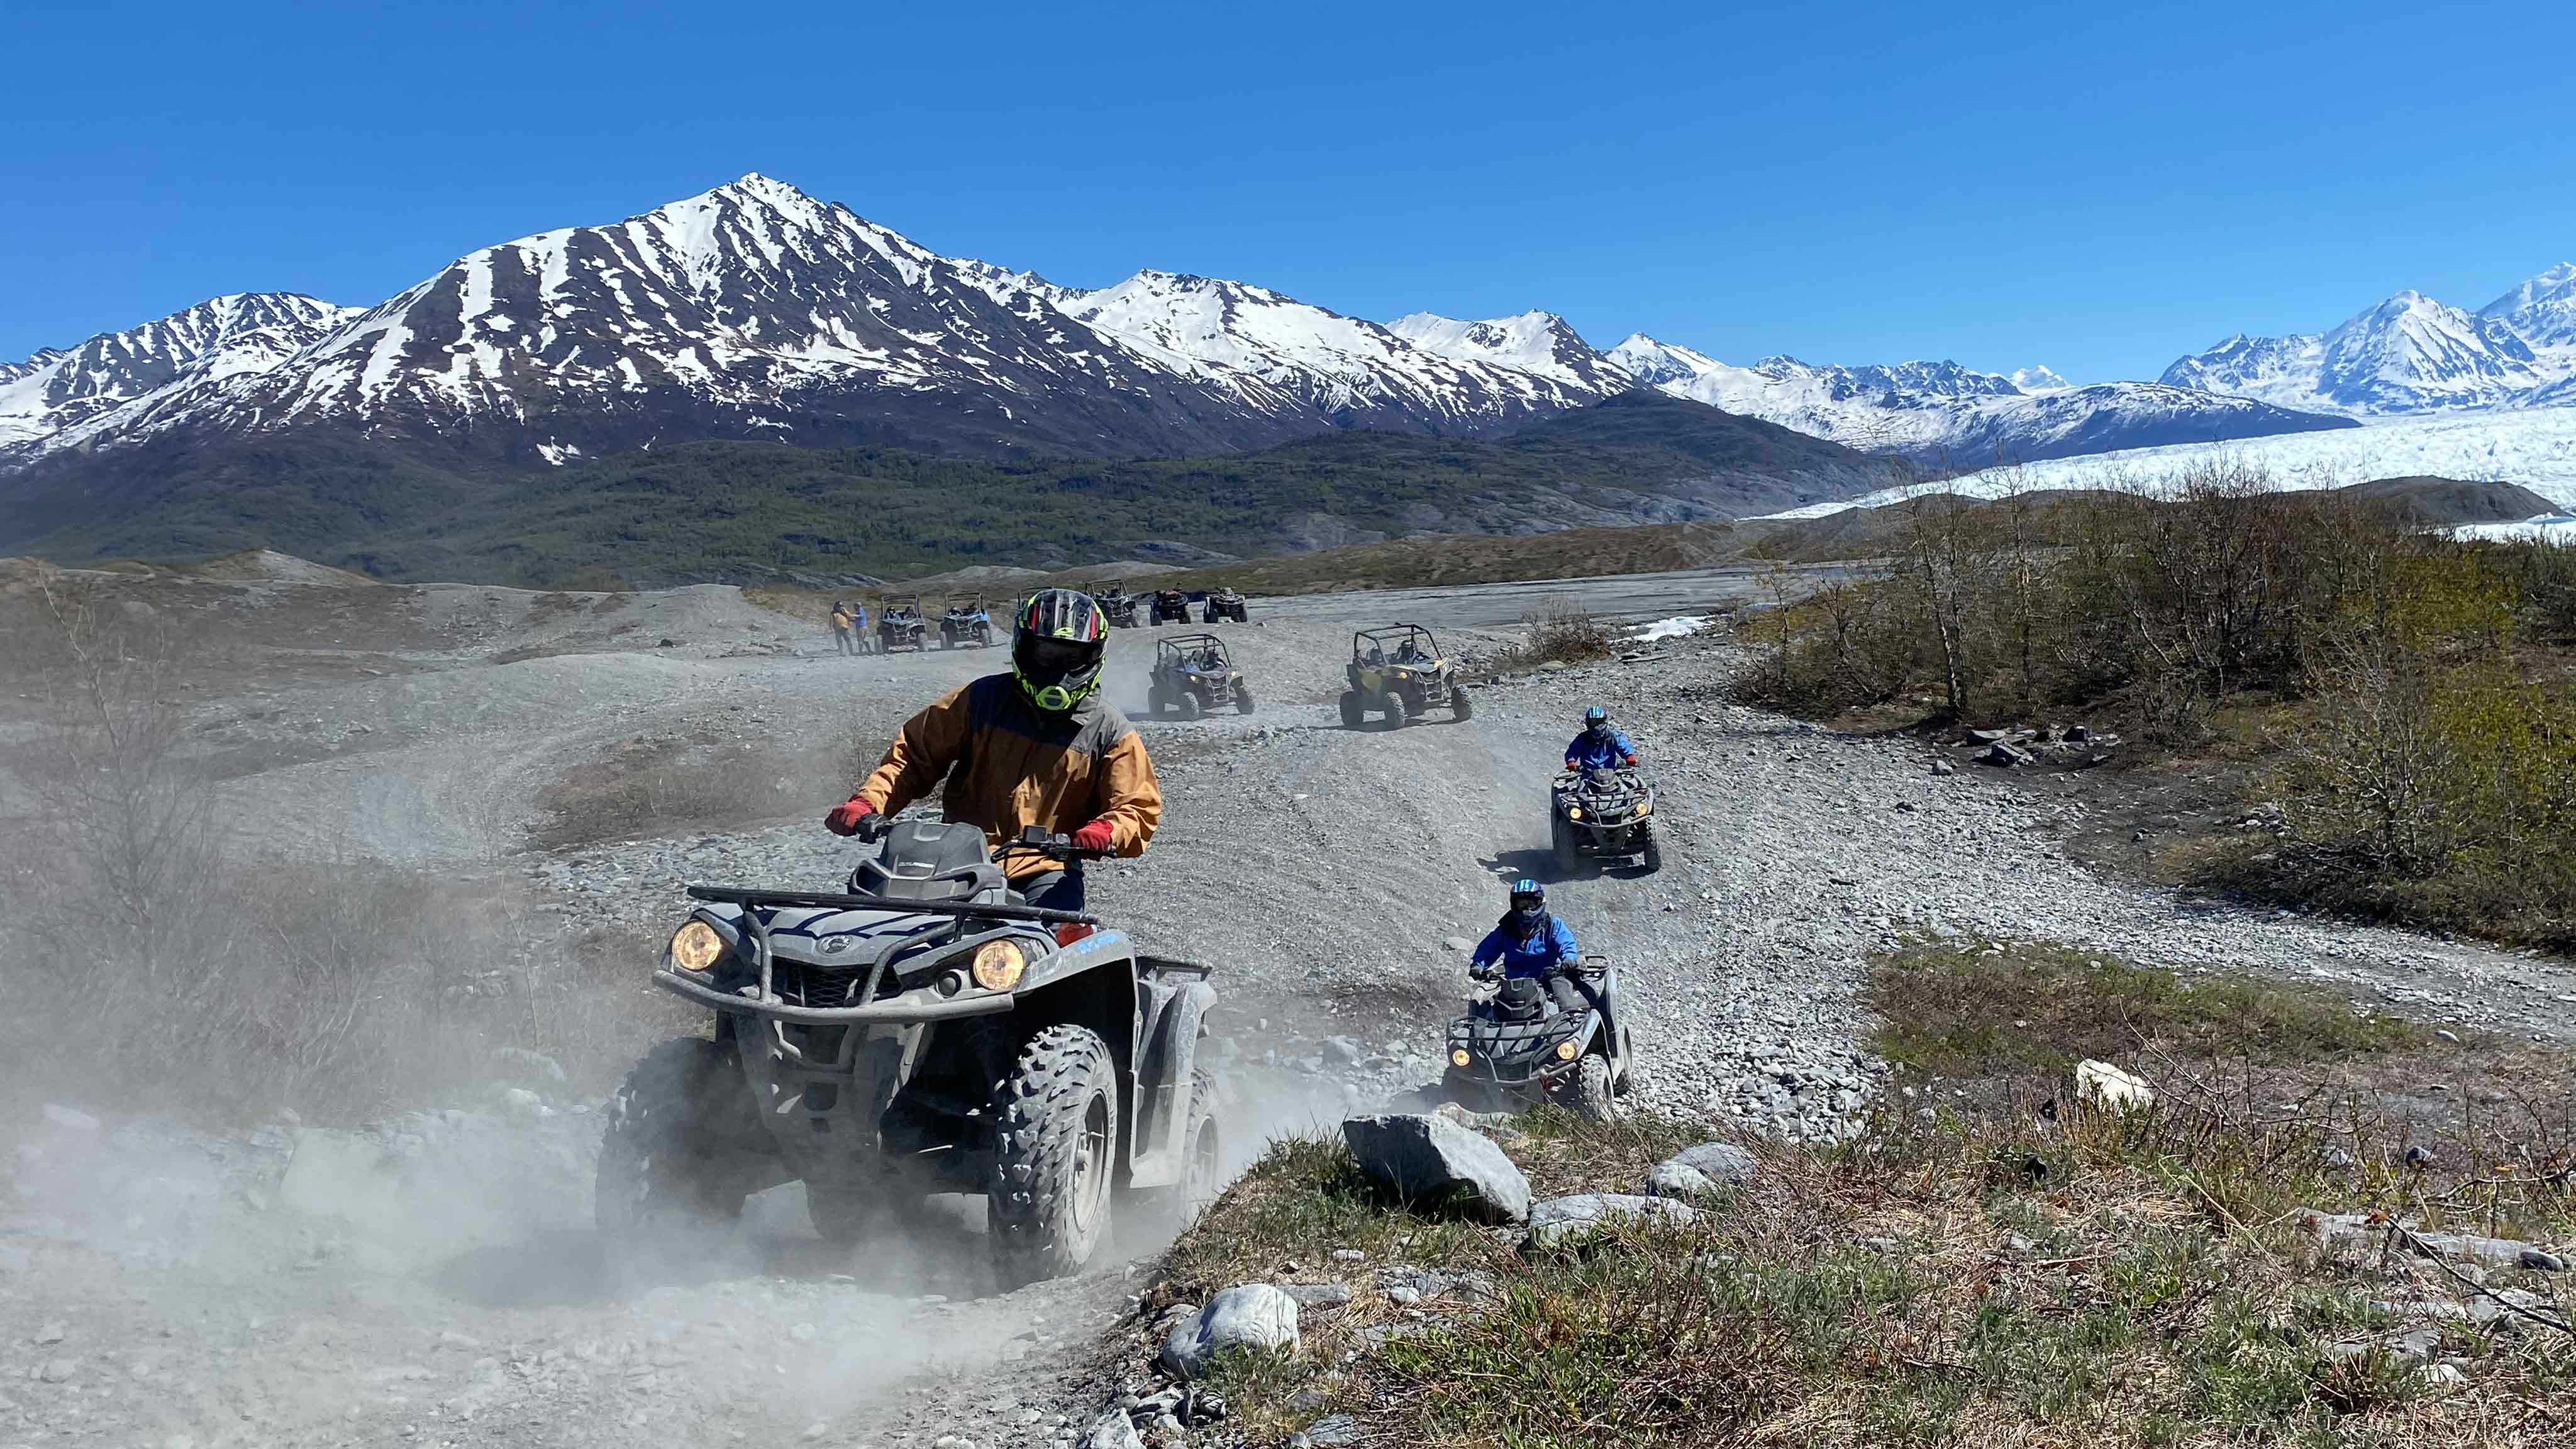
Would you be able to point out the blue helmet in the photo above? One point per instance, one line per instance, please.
(1529, 900)
(1596, 718)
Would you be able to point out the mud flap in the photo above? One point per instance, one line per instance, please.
(1159, 1157)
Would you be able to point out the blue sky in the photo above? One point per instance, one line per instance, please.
(2100, 188)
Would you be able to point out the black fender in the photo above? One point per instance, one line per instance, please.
(1157, 1157)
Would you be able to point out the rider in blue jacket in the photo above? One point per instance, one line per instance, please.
(1528, 942)
(1599, 747)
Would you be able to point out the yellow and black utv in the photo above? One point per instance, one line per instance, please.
(1399, 672)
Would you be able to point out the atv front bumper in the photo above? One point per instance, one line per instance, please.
(750, 1001)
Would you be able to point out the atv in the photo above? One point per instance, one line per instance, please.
(964, 623)
(923, 1032)
(1194, 675)
(1520, 1047)
(1168, 604)
(901, 627)
(1602, 814)
(1118, 604)
(1398, 671)
(1224, 604)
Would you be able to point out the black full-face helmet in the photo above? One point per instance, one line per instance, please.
(1057, 648)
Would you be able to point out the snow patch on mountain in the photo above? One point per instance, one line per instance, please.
(1942, 414)
(2534, 447)
(2039, 379)
(1541, 343)
(1282, 356)
(118, 374)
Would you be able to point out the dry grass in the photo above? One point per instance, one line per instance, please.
(2008, 1269)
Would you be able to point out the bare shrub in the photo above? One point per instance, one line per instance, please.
(2424, 688)
(1560, 631)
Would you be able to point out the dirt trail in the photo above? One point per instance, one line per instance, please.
(181, 1291)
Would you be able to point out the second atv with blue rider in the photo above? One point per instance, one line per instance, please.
(1602, 807)
(1554, 1029)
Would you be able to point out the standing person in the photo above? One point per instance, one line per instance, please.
(842, 624)
(859, 627)
(1035, 746)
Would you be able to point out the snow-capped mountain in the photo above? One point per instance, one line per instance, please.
(1539, 343)
(755, 311)
(1287, 359)
(1943, 414)
(2408, 354)
(67, 395)
(2542, 311)
(2039, 379)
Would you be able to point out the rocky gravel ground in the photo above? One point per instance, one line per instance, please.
(431, 1279)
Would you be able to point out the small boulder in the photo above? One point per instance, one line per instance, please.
(1558, 1219)
(2005, 756)
(1677, 1179)
(1256, 1316)
(1113, 1430)
(1319, 1295)
(1432, 1162)
(1459, 944)
(2101, 1084)
(1722, 1163)
(1332, 1431)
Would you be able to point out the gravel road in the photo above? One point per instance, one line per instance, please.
(159, 1286)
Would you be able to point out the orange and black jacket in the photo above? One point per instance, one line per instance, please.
(1009, 765)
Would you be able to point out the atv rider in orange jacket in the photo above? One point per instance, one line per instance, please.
(1037, 746)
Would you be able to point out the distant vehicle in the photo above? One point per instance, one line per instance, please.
(1193, 675)
(1118, 604)
(1169, 606)
(1224, 604)
(1398, 672)
(902, 627)
(966, 623)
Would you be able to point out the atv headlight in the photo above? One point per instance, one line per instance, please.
(1573, 812)
(1459, 1057)
(998, 965)
(1645, 807)
(696, 947)
(1568, 1049)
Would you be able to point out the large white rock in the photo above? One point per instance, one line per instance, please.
(2101, 1084)
(1435, 1162)
(1257, 1316)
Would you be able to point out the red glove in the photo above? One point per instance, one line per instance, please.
(1095, 836)
(845, 817)
(1628, 760)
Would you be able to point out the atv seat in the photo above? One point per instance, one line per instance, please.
(928, 860)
